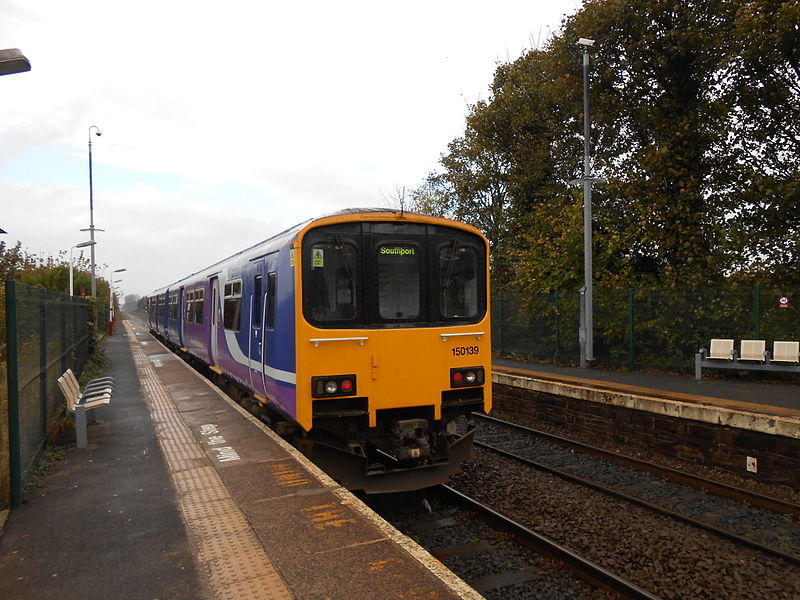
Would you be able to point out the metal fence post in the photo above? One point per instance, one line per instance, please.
(558, 327)
(757, 311)
(631, 333)
(501, 320)
(43, 409)
(12, 361)
(63, 318)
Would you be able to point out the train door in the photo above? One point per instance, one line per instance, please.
(181, 316)
(256, 340)
(164, 314)
(268, 323)
(216, 321)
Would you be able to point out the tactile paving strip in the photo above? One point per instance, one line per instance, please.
(230, 554)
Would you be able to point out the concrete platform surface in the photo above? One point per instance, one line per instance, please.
(183, 494)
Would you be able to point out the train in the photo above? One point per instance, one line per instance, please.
(363, 337)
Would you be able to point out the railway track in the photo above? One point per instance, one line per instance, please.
(544, 546)
(498, 556)
(766, 524)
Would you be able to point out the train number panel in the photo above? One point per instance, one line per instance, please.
(381, 329)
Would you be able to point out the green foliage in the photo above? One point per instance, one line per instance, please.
(49, 273)
(654, 329)
(696, 125)
(52, 274)
(98, 363)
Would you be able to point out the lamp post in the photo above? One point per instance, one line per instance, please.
(98, 133)
(586, 334)
(81, 245)
(13, 61)
(111, 283)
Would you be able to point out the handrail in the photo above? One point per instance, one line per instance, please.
(446, 336)
(317, 341)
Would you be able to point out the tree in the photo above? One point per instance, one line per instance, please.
(131, 302)
(696, 126)
(763, 85)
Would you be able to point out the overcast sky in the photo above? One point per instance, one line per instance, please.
(224, 123)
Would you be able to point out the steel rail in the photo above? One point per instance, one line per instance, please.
(584, 568)
(648, 505)
(719, 489)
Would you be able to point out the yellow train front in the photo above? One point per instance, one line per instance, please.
(392, 346)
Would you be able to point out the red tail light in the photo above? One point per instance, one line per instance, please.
(333, 386)
(467, 377)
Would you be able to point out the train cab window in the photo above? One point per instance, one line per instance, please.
(333, 274)
(232, 306)
(398, 271)
(393, 274)
(458, 271)
(271, 300)
(257, 291)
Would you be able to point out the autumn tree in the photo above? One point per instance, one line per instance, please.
(695, 125)
(763, 86)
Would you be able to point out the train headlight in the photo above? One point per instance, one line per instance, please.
(467, 377)
(333, 385)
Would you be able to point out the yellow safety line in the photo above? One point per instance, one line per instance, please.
(228, 550)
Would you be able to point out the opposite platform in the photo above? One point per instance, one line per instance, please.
(772, 408)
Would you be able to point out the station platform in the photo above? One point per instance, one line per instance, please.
(181, 494)
(764, 406)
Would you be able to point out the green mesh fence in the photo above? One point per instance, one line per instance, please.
(659, 329)
(45, 333)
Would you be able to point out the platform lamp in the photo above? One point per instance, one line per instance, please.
(81, 245)
(586, 332)
(111, 294)
(13, 61)
(111, 283)
(92, 228)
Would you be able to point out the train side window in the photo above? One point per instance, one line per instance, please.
(189, 307)
(458, 270)
(232, 306)
(198, 306)
(173, 306)
(257, 291)
(398, 281)
(271, 300)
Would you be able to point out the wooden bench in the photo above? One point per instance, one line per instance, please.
(751, 356)
(96, 393)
